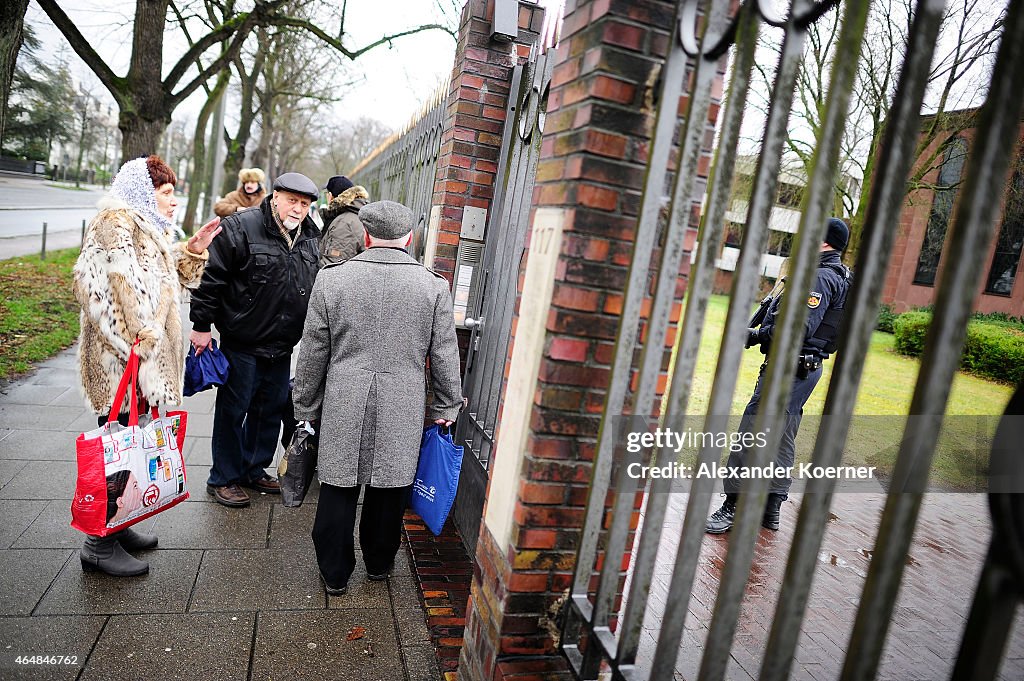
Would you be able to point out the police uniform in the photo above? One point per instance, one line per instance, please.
(825, 302)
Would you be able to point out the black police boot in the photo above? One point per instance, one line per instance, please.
(721, 520)
(772, 511)
(104, 554)
(130, 540)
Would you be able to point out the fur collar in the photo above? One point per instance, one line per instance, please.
(346, 198)
(110, 202)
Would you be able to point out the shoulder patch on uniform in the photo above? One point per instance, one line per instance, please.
(814, 300)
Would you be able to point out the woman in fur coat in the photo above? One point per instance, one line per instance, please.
(128, 280)
(250, 193)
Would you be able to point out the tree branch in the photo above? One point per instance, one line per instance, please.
(83, 49)
(296, 22)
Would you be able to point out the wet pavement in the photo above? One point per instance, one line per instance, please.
(231, 593)
(942, 570)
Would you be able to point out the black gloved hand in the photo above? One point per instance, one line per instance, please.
(753, 338)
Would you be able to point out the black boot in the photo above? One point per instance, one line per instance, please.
(130, 540)
(721, 520)
(104, 554)
(772, 513)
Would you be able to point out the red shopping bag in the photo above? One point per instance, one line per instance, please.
(127, 474)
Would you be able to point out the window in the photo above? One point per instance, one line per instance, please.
(1011, 238)
(733, 234)
(779, 243)
(790, 195)
(942, 207)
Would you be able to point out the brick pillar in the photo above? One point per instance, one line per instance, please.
(589, 185)
(471, 139)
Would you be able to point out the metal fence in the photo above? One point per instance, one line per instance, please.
(589, 640)
(403, 167)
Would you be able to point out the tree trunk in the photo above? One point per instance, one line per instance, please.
(146, 115)
(139, 136)
(12, 21)
(199, 167)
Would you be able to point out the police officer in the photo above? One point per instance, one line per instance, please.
(825, 305)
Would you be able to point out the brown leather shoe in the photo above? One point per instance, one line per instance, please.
(265, 484)
(231, 495)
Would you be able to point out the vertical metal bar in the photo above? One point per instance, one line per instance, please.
(42, 252)
(990, 621)
(882, 220)
(672, 85)
(705, 70)
(973, 224)
(83, 232)
(789, 332)
(673, 74)
(720, 183)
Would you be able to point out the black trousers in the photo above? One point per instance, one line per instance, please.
(380, 530)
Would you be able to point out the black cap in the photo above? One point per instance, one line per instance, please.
(296, 183)
(838, 234)
(337, 184)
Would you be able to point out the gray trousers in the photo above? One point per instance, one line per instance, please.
(798, 396)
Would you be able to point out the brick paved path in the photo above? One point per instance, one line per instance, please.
(939, 582)
(231, 594)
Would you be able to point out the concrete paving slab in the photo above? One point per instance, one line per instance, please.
(52, 528)
(420, 663)
(41, 480)
(25, 575)
(292, 527)
(22, 393)
(36, 445)
(212, 526)
(165, 589)
(69, 638)
(362, 593)
(197, 451)
(186, 646)
(8, 471)
(313, 645)
(55, 374)
(231, 580)
(17, 517)
(71, 397)
(200, 403)
(31, 417)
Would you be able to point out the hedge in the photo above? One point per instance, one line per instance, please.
(993, 349)
(885, 318)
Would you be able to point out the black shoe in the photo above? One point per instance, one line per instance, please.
(130, 540)
(772, 511)
(104, 554)
(334, 590)
(721, 520)
(380, 577)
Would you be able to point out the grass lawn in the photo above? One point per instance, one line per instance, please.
(883, 400)
(38, 312)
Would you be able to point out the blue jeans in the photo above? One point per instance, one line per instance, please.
(247, 417)
(798, 396)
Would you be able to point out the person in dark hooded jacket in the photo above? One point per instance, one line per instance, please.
(343, 235)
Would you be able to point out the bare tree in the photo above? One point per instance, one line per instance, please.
(146, 98)
(969, 35)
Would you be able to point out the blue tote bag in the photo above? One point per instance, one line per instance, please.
(437, 477)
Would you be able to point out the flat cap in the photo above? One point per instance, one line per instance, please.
(296, 183)
(386, 220)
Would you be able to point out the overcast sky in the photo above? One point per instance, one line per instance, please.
(395, 82)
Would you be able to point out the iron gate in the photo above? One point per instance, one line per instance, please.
(503, 250)
(589, 640)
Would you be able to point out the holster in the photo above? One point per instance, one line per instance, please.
(807, 364)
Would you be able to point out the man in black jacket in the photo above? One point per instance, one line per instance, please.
(825, 303)
(255, 289)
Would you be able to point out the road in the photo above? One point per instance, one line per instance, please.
(26, 203)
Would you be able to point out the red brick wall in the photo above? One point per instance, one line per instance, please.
(471, 141)
(593, 158)
(899, 290)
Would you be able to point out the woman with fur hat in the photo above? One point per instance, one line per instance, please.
(249, 193)
(128, 280)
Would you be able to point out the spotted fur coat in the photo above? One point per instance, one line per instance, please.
(128, 280)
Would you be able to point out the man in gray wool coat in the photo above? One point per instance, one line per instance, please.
(372, 324)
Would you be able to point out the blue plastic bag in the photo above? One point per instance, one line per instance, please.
(205, 370)
(437, 478)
